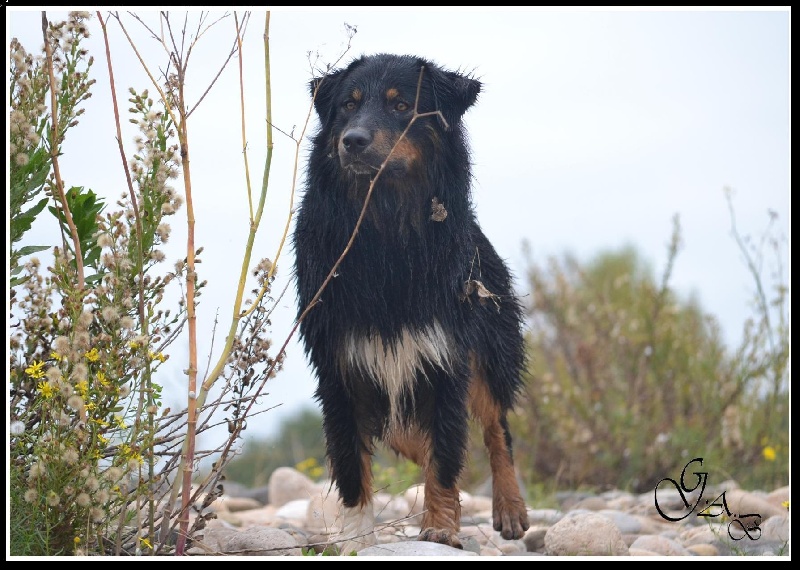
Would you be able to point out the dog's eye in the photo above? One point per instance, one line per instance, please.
(349, 105)
(401, 106)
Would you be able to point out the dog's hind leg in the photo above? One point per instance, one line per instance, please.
(509, 512)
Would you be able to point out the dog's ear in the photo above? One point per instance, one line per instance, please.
(465, 89)
(323, 89)
(454, 92)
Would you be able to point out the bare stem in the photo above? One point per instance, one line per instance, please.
(55, 144)
(295, 170)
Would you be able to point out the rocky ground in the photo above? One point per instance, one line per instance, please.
(297, 516)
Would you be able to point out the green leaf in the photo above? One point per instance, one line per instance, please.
(21, 222)
(92, 279)
(84, 206)
(28, 179)
(16, 281)
(29, 249)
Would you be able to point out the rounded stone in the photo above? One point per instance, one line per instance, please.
(703, 550)
(585, 534)
(413, 548)
(287, 484)
(660, 544)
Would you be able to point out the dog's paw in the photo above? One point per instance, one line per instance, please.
(510, 518)
(357, 527)
(440, 535)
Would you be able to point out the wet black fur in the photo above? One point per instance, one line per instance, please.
(405, 269)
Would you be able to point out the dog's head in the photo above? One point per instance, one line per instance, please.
(365, 107)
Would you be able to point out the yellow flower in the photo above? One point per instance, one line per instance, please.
(83, 388)
(128, 453)
(120, 421)
(157, 356)
(35, 370)
(307, 464)
(133, 344)
(93, 355)
(102, 439)
(45, 389)
(56, 356)
(101, 377)
(769, 453)
(785, 505)
(146, 543)
(77, 540)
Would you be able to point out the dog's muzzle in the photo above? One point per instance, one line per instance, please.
(356, 140)
(355, 153)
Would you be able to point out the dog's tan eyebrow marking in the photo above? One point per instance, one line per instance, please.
(392, 93)
(356, 94)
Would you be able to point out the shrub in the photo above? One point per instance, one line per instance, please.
(96, 461)
(628, 382)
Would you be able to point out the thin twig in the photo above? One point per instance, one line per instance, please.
(244, 119)
(134, 201)
(751, 266)
(231, 53)
(417, 115)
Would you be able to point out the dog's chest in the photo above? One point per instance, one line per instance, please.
(395, 366)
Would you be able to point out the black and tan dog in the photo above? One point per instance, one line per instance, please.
(420, 327)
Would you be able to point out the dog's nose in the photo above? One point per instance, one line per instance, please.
(356, 139)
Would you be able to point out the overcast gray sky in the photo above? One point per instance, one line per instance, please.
(593, 128)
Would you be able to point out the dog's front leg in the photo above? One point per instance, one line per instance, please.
(448, 446)
(441, 520)
(358, 516)
(349, 452)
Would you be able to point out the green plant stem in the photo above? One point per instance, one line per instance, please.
(191, 277)
(254, 225)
